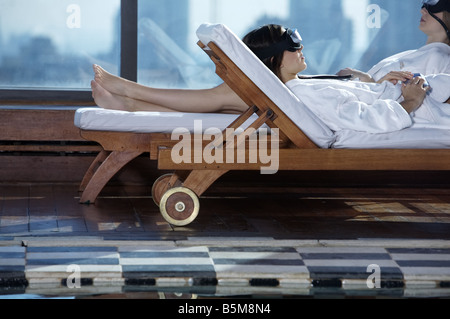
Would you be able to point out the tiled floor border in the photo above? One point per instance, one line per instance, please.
(217, 267)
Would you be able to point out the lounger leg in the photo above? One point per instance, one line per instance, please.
(113, 164)
(200, 180)
(101, 157)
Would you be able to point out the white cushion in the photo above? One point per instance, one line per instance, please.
(411, 138)
(98, 119)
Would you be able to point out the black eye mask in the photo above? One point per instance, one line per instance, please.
(436, 6)
(290, 41)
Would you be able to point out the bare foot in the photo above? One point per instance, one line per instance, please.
(106, 99)
(110, 82)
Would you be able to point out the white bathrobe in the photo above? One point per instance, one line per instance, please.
(375, 108)
(432, 58)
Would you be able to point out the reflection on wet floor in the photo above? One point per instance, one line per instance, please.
(199, 293)
(283, 213)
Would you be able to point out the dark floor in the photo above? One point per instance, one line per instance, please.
(281, 213)
(292, 241)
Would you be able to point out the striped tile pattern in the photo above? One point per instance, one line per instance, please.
(55, 263)
(12, 267)
(140, 263)
(274, 267)
(12, 261)
(349, 263)
(423, 263)
(253, 263)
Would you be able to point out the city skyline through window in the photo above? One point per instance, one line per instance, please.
(51, 44)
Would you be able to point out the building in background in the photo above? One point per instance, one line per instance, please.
(400, 32)
(38, 49)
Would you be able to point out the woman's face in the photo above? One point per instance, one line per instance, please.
(293, 63)
(430, 26)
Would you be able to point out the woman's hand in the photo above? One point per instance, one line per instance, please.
(363, 77)
(397, 76)
(414, 93)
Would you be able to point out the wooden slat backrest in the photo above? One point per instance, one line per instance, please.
(254, 96)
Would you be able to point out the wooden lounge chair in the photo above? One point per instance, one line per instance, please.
(177, 194)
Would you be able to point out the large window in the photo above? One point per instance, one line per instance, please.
(50, 45)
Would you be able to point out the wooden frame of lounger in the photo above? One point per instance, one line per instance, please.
(177, 194)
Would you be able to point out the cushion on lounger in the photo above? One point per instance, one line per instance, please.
(97, 119)
(411, 138)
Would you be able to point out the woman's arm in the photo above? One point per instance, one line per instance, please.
(393, 77)
(363, 77)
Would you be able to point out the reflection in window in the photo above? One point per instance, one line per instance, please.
(53, 43)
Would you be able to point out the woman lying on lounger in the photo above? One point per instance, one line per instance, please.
(281, 51)
(430, 59)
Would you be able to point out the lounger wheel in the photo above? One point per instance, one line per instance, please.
(160, 186)
(179, 206)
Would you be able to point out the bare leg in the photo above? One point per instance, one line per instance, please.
(110, 82)
(108, 100)
(216, 100)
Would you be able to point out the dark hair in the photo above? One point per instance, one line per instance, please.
(263, 37)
